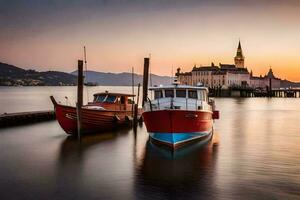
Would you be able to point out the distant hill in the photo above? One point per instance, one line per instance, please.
(11, 75)
(120, 79)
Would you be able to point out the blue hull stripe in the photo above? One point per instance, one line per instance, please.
(176, 138)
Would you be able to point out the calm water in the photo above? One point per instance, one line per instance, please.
(18, 99)
(254, 154)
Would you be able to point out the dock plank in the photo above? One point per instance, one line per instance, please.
(14, 119)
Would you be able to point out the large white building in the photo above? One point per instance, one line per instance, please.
(227, 75)
(267, 81)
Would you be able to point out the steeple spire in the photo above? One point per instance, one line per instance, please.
(239, 58)
(239, 51)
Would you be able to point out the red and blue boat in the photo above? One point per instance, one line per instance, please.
(179, 114)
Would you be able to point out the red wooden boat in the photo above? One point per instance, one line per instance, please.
(179, 114)
(107, 111)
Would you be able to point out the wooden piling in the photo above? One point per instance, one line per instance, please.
(270, 87)
(138, 94)
(145, 80)
(79, 97)
(135, 116)
(138, 100)
(132, 87)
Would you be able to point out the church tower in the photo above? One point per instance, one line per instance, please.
(239, 58)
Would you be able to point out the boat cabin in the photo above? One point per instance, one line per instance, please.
(179, 97)
(113, 101)
(181, 92)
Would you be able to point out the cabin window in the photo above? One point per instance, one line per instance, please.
(158, 94)
(95, 98)
(169, 93)
(100, 98)
(181, 93)
(192, 94)
(205, 95)
(122, 100)
(202, 94)
(130, 100)
(110, 99)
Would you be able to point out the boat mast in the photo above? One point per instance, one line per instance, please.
(85, 64)
(150, 71)
(150, 75)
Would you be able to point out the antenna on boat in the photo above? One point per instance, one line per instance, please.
(85, 64)
(171, 78)
(67, 100)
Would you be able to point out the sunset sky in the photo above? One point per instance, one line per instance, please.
(118, 34)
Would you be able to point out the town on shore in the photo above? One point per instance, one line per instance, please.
(235, 76)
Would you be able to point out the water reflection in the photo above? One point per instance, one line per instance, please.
(185, 173)
(71, 144)
(84, 169)
(258, 158)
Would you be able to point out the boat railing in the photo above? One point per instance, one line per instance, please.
(186, 103)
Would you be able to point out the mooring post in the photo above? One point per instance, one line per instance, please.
(79, 97)
(132, 86)
(138, 94)
(135, 117)
(145, 79)
(270, 87)
(138, 101)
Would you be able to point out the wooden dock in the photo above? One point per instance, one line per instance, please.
(14, 119)
(249, 92)
(286, 92)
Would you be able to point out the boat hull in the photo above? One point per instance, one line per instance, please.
(175, 140)
(175, 128)
(93, 121)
